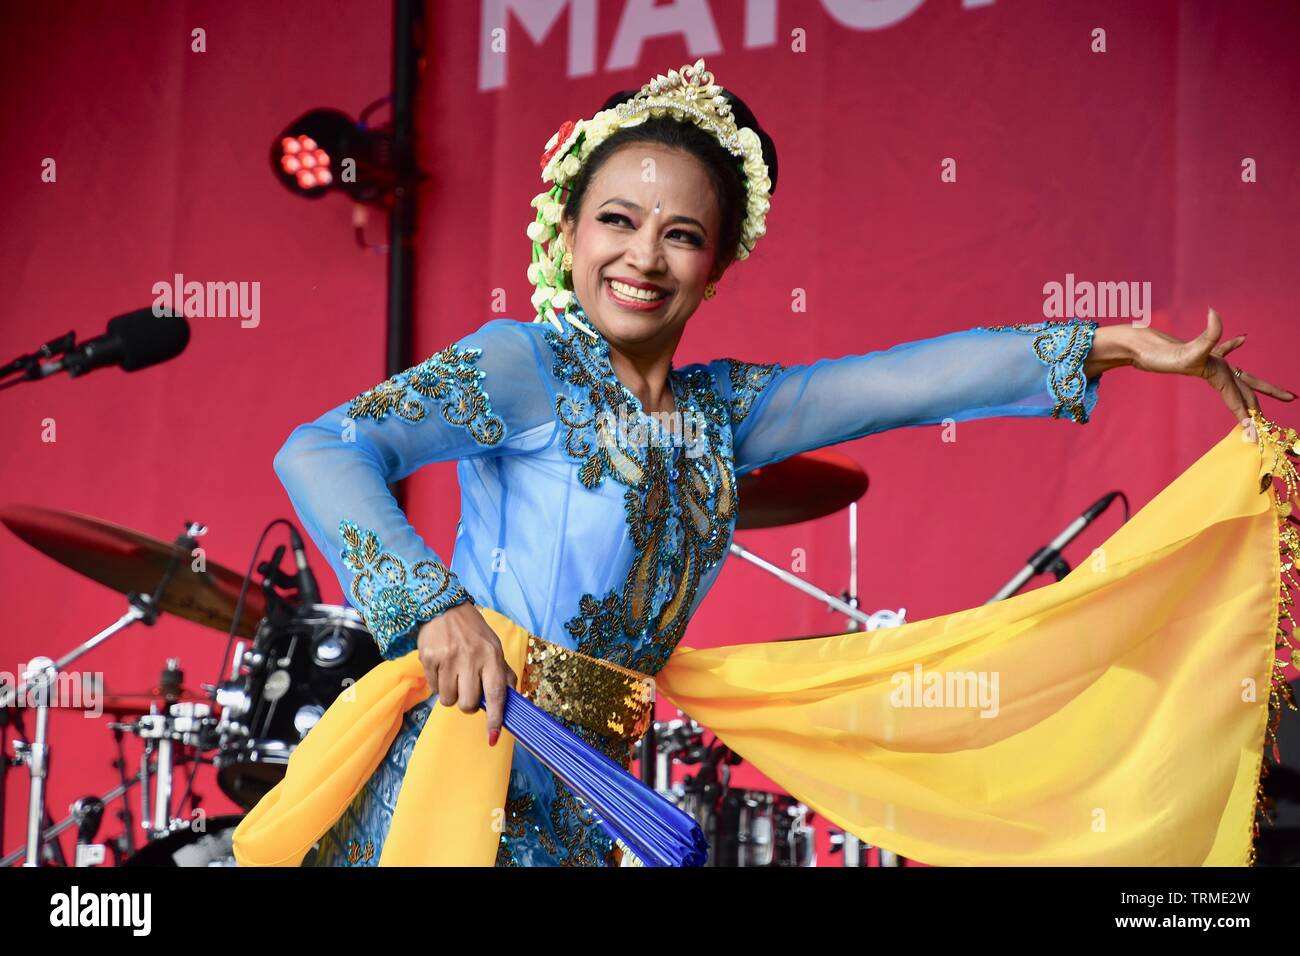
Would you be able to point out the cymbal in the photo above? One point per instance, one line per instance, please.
(127, 560)
(806, 486)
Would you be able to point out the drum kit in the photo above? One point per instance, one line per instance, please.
(289, 656)
(292, 657)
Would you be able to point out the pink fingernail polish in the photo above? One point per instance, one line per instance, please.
(493, 734)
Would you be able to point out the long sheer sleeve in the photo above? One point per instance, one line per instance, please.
(985, 372)
(483, 395)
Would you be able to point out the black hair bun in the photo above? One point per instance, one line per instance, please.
(743, 116)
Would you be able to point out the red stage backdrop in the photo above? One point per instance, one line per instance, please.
(1150, 143)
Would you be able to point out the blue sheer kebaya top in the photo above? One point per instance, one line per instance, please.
(589, 522)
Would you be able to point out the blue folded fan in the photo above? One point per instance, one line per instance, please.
(649, 827)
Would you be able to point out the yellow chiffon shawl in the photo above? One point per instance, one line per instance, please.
(1117, 717)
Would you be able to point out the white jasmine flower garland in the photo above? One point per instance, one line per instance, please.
(688, 94)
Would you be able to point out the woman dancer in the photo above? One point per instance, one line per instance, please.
(597, 478)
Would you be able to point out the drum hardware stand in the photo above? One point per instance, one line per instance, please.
(853, 848)
(232, 700)
(848, 608)
(678, 739)
(71, 820)
(800, 584)
(650, 770)
(40, 679)
(709, 783)
(125, 843)
(183, 724)
(21, 747)
(89, 813)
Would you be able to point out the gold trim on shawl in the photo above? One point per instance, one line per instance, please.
(1278, 474)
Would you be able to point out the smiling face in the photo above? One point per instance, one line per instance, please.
(640, 274)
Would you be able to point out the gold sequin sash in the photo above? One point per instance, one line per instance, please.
(602, 698)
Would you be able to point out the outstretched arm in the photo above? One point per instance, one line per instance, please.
(1038, 369)
(1020, 370)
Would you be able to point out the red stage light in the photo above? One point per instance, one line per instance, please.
(305, 153)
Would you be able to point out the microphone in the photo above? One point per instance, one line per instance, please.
(308, 590)
(1047, 557)
(134, 341)
(1100, 505)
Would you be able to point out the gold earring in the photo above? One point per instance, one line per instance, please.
(710, 290)
(567, 261)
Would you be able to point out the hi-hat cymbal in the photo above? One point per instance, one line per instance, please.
(127, 560)
(811, 485)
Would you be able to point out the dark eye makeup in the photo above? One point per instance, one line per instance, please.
(612, 217)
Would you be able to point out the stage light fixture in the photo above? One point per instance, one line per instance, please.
(325, 150)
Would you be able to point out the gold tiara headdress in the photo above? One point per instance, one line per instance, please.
(690, 95)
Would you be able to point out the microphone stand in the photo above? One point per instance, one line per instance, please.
(30, 365)
(1049, 558)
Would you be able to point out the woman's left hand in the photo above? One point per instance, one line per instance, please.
(1204, 357)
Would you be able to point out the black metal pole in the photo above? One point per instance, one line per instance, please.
(408, 40)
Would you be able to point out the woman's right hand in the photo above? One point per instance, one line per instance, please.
(462, 660)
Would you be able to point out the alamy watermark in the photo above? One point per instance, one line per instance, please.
(75, 690)
(133, 911)
(955, 689)
(1098, 300)
(221, 300)
(679, 427)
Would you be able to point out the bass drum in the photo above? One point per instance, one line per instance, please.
(292, 675)
(212, 847)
